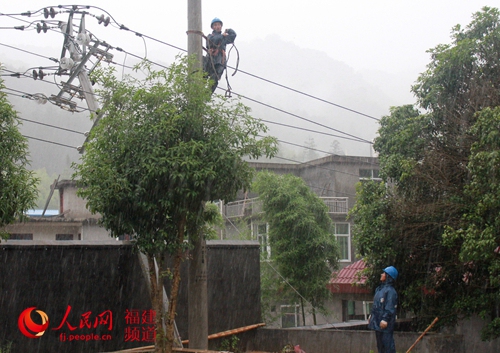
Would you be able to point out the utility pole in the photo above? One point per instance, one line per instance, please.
(197, 277)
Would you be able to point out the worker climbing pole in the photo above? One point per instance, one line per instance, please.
(214, 63)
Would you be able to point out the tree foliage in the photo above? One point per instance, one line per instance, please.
(18, 185)
(300, 234)
(436, 216)
(163, 149)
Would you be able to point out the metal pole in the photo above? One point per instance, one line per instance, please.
(197, 277)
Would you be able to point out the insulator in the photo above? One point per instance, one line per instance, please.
(38, 28)
(63, 26)
(66, 63)
(83, 38)
(45, 27)
(40, 74)
(106, 21)
(46, 12)
(100, 19)
(35, 75)
(52, 12)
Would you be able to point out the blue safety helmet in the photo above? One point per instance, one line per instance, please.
(391, 271)
(216, 19)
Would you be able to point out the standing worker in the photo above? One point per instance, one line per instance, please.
(214, 62)
(383, 315)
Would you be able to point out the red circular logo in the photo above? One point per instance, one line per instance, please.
(28, 327)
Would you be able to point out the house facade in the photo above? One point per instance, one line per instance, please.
(333, 179)
(72, 221)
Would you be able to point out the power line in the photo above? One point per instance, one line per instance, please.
(29, 52)
(51, 142)
(299, 117)
(309, 163)
(267, 105)
(253, 100)
(309, 130)
(354, 138)
(123, 27)
(52, 126)
(328, 153)
(305, 94)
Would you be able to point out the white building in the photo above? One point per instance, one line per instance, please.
(71, 222)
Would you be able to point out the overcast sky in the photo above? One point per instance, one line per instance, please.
(391, 36)
(387, 35)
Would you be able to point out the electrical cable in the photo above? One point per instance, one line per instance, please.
(299, 117)
(309, 130)
(255, 101)
(51, 142)
(29, 52)
(328, 153)
(52, 126)
(123, 27)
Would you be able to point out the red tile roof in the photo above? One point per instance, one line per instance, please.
(346, 280)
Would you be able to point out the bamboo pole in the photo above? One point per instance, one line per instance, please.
(210, 337)
(231, 332)
(423, 334)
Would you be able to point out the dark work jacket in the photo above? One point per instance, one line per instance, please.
(385, 303)
(216, 45)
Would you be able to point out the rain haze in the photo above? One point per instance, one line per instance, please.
(353, 60)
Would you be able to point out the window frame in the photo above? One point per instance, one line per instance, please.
(343, 235)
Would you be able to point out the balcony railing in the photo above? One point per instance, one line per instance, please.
(336, 205)
(252, 207)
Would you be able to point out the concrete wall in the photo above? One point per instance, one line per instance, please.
(471, 330)
(233, 287)
(97, 277)
(346, 341)
(70, 203)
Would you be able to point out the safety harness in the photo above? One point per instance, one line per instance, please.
(212, 52)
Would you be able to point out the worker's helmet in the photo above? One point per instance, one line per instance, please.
(391, 271)
(215, 20)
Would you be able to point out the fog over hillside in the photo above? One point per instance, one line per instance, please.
(273, 59)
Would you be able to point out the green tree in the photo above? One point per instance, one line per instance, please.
(432, 217)
(162, 150)
(477, 239)
(18, 185)
(300, 235)
(310, 151)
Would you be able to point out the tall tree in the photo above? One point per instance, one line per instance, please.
(421, 221)
(18, 185)
(300, 235)
(156, 157)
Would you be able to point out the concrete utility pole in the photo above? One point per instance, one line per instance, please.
(197, 281)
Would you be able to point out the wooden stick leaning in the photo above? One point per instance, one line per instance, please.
(423, 334)
(212, 336)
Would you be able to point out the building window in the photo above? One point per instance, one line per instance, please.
(64, 236)
(369, 174)
(343, 237)
(260, 232)
(289, 315)
(21, 236)
(367, 309)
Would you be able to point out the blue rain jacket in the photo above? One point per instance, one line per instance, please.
(216, 45)
(385, 303)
